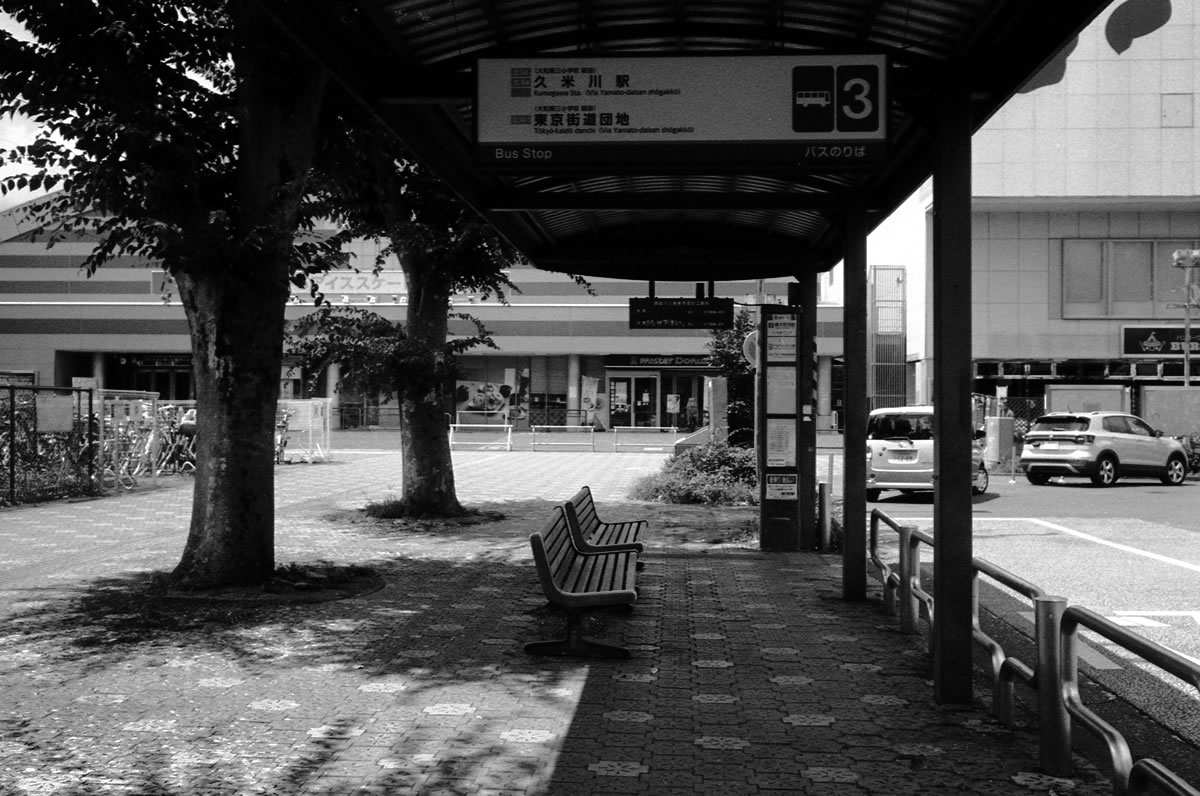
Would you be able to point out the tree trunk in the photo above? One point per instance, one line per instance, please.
(236, 365)
(428, 475)
(234, 297)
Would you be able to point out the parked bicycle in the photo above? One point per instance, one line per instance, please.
(282, 419)
(1191, 446)
(176, 444)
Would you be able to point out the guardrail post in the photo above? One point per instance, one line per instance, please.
(1054, 722)
(824, 516)
(910, 569)
(12, 445)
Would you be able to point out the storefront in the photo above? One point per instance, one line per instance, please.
(656, 389)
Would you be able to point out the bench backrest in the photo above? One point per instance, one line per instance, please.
(585, 510)
(553, 552)
(556, 539)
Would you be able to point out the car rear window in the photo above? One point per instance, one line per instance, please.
(1067, 424)
(908, 426)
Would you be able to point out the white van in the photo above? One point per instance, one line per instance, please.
(900, 452)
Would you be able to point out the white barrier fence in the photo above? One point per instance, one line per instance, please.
(480, 436)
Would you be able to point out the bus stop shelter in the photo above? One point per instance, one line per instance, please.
(702, 141)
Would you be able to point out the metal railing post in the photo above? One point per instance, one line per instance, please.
(910, 570)
(1054, 722)
(91, 432)
(825, 516)
(12, 445)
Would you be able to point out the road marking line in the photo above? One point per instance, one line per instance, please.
(1087, 653)
(1175, 562)
(1134, 621)
(1193, 614)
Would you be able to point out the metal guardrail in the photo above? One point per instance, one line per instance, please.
(902, 590)
(632, 438)
(493, 436)
(562, 436)
(1053, 676)
(1128, 776)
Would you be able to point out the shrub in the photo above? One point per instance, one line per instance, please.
(713, 474)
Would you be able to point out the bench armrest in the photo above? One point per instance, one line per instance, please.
(584, 546)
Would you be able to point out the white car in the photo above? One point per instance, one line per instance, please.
(900, 452)
(1102, 446)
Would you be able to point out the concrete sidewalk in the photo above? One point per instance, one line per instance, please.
(749, 674)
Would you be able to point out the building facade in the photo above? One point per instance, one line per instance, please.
(1085, 184)
(566, 353)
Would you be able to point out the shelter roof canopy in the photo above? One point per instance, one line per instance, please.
(637, 213)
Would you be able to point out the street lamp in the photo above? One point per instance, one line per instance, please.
(1188, 259)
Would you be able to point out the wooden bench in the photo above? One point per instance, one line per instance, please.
(597, 533)
(580, 581)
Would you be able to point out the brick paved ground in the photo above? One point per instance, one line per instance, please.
(748, 672)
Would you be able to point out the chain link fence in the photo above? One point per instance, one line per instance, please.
(1022, 410)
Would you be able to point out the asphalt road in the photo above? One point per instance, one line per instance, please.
(1130, 552)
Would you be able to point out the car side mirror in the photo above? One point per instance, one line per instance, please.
(979, 433)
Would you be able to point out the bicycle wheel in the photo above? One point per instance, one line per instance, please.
(106, 479)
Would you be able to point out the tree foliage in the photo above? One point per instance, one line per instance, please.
(725, 354)
(140, 108)
(376, 355)
(725, 346)
(183, 133)
(373, 189)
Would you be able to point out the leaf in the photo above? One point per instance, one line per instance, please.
(1053, 71)
(1134, 19)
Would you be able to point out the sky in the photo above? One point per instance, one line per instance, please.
(13, 131)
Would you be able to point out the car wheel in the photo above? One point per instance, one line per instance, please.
(873, 495)
(1176, 471)
(980, 485)
(1106, 471)
(1037, 479)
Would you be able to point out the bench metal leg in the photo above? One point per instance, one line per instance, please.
(575, 644)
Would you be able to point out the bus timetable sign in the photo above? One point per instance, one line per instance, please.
(680, 313)
(799, 110)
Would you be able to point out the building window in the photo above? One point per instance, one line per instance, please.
(1121, 279)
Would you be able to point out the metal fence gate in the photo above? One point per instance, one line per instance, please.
(48, 443)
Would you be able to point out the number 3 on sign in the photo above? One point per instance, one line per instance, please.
(858, 91)
(859, 96)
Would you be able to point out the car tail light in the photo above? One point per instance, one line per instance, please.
(1084, 439)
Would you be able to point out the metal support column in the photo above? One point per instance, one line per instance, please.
(854, 471)
(806, 413)
(952, 378)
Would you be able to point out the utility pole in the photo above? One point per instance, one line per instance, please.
(1188, 259)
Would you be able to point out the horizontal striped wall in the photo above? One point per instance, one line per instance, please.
(48, 304)
(544, 329)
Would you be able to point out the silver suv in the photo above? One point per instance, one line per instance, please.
(1103, 446)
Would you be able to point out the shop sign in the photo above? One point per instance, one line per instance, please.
(180, 362)
(657, 361)
(680, 313)
(1160, 342)
(816, 109)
